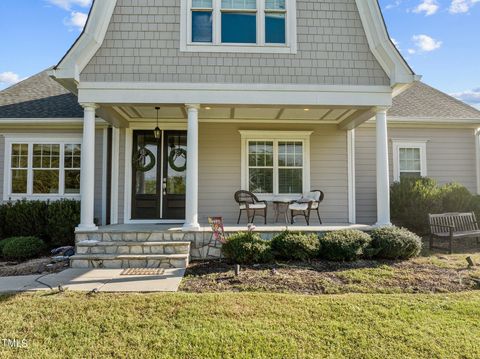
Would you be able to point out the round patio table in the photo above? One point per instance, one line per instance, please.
(280, 207)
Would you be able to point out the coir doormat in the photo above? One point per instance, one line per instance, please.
(143, 271)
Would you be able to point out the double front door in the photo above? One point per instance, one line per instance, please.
(159, 175)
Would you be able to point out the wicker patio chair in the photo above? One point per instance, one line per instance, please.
(248, 202)
(305, 205)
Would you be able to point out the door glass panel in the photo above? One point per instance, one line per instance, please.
(145, 164)
(176, 163)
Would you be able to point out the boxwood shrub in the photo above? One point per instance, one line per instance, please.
(3, 242)
(22, 248)
(54, 222)
(24, 218)
(247, 248)
(62, 218)
(412, 199)
(295, 246)
(395, 243)
(344, 245)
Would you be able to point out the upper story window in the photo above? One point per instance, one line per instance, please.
(263, 26)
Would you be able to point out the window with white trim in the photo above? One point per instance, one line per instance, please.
(39, 168)
(409, 159)
(238, 26)
(275, 164)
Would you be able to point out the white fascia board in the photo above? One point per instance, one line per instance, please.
(88, 43)
(48, 122)
(381, 46)
(234, 94)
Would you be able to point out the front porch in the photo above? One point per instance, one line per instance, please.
(317, 145)
(280, 151)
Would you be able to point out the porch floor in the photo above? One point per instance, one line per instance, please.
(152, 228)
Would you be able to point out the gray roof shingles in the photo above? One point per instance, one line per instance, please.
(42, 97)
(422, 101)
(39, 96)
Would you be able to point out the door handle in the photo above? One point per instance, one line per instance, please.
(164, 186)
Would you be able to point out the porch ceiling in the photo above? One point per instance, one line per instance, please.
(317, 114)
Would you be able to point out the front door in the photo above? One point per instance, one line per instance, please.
(158, 175)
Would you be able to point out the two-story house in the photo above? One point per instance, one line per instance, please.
(185, 102)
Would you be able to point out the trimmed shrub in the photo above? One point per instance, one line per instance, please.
(395, 243)
(21, 248)
(456, 198)
(344, 245)
(247, 248)
(295, 246)
(412, 199)
(2, 244)
(62, 218)
(25, 218)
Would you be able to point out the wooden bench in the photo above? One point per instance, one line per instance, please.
(450, 226)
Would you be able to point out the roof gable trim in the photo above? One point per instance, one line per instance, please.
(101, 13)
(381, 46)
(88, 43)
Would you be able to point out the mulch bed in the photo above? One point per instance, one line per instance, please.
(323, 277)
(33, 266)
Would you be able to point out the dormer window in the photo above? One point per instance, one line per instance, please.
(264, 26)
(239, 21)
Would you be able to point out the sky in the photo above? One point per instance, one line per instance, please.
(438, 38)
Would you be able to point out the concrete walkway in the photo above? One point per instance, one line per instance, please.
(102, 280)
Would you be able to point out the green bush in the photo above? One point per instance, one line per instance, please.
(456, 198)
(53, 221)
(412, 199)
(295, 246)
(2, 244)
(247, 248)
(344, 245)
(395, 243)
(25, 218)
(62, 218)
(21, 248)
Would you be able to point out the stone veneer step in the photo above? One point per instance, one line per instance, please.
(122, 247)
(114, 261)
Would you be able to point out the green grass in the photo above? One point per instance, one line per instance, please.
(242, 325)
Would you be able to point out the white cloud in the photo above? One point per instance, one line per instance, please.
(9, 78)
(471, 97)
(461, 6)
(424, 43)
(68, 4)
(395, 42)
(395, 4)
(429, 7)
(77, 19)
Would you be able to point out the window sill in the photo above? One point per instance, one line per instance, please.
(242, 48)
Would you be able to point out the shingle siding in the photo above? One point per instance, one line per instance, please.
(142, 44)
(450, 158)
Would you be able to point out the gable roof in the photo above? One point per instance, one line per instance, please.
(90, 40)
(421, 101)
(39, 96)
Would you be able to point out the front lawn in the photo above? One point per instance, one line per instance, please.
(241, 325)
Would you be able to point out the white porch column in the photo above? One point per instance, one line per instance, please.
(87, 174)
(383, 180)
(191, 202)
